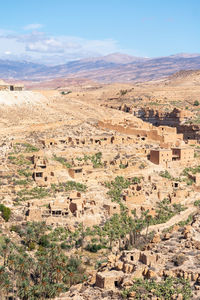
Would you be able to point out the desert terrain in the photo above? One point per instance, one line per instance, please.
(100, 189)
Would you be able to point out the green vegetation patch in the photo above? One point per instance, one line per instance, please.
(5, 212)
(19, 160)
(42, 276)
(68, 186)
(118, 185)
(165, 174)
(24, 172)
(25, 148)
(34, 193)
(196, 103)
(95, 159)
(63, 161)
(122, 166)
(165, 211)
(165, 289)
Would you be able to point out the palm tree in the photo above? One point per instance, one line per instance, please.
(5, 283)
(6, 250)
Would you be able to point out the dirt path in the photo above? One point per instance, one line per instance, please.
(174, 220)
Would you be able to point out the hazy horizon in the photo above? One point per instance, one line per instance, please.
(55, 32)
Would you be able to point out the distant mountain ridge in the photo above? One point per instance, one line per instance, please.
(116, 67)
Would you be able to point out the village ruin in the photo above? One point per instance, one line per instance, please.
(117, 186)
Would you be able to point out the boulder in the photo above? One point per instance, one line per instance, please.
(151, 274)
(119, 265)
(156, 239)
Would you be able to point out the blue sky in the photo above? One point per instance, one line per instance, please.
(56, 31)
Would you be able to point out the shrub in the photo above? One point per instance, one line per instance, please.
(165, 289)
(95, 159)
(74, 263)
(165, 174)
(36, 192)
(65, 246)
(24, 172)
(21, 182)
(15, 228)
(44, 241)
(196, 103)
(136, 180)
(62, 160)
(197, 203)
(122, 166)
(31, 246)
(19, 160)
(186, 222)
(30, 148)
(6, 212)
(100, 262)
(68, 186)
(94, 247)
(123, 92)
(66, 93)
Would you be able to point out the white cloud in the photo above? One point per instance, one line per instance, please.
(42, 48)
(46, 46)
(32, 26)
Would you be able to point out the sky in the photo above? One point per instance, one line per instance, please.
(57, 31)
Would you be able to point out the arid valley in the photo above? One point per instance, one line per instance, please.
(102, 181)
(99, 150)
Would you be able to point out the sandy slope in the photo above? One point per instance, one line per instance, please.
(24, 97)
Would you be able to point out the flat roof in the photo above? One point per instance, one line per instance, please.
(160, 149)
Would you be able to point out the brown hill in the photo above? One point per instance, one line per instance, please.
(116, 67)
(185, 78)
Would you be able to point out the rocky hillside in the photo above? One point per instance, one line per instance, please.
(185, 78)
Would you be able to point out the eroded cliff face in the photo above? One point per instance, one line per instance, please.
(176, 118)
(181, 119)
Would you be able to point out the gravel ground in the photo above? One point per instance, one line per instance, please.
(21, 97)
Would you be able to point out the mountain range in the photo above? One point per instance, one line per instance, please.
(116, 67)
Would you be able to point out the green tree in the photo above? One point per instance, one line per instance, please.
(6, 212)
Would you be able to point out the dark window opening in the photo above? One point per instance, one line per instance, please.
(43, 167)
(116, 283)
(38, 174)
(56, 212)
